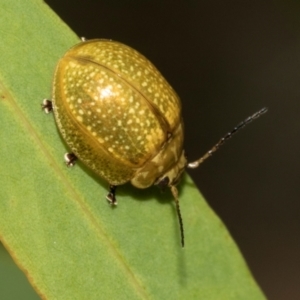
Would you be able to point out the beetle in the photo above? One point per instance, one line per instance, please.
(121, 118)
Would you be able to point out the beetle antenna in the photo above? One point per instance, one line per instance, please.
(175, 195)
(196, 163)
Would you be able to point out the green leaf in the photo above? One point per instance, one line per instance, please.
(55, 221)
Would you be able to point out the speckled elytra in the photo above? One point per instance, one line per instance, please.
(121, 118)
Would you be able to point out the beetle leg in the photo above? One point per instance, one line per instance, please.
(70, 159)
(47, 106)
(111, 196)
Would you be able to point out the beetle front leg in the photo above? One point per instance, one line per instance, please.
(111, 196)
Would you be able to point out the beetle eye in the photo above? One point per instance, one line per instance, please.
(163, 183)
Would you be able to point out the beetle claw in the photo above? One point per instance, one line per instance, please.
(111, 199)
(47, 106)
(70, 159)
(111, 196)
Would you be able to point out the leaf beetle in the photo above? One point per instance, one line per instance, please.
(121, 118)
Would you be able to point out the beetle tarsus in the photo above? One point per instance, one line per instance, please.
(70, 159)
(111, 196)
(47, 106)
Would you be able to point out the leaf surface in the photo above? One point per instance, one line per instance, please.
(55, 221)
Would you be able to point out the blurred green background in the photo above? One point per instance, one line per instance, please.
(225, 59)
(13, 283)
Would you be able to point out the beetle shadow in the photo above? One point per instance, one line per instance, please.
(163, 197)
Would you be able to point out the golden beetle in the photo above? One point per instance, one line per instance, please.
(121, 118)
